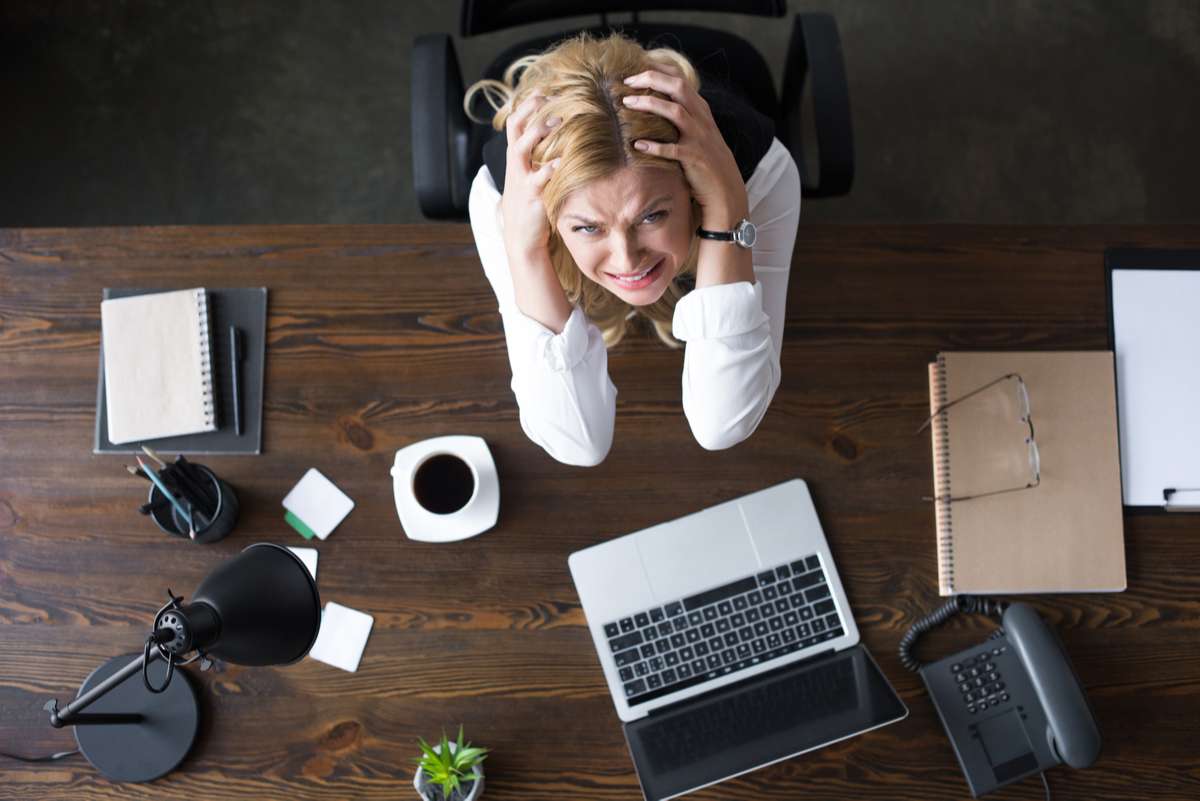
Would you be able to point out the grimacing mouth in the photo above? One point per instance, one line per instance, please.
(641, 271)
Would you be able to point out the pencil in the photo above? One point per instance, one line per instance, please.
(162, 487)
(133, 471)
(149, 452)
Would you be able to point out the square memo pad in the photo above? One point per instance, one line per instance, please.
(343, 636)
(309, 557)
(315, 506)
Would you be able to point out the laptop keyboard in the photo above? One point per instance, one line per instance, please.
(737, 626)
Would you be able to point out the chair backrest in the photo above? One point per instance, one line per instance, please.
(485, 16)
(735, 80)
(448, 148)
(718, 55)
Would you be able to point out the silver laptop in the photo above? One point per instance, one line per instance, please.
(727, 641)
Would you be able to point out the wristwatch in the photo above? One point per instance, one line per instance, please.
(742, 235)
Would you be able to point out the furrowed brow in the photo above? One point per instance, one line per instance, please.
(652, 204)
(642, 213)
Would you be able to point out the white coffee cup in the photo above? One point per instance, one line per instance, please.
(446, 488)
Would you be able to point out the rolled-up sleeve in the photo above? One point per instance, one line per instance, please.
(734, 332)
(566, 399)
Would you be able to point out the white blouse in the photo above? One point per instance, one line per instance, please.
(732, 334)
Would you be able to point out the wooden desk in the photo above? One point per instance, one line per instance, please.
(381, 336)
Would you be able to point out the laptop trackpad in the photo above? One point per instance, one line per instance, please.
(763, 720)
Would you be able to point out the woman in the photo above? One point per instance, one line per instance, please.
(619, 195)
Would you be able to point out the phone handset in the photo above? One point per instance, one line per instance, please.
(1070, 727)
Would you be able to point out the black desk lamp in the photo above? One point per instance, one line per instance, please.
(259, 608)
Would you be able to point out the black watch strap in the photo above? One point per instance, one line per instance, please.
(720, 236)
(744, 234)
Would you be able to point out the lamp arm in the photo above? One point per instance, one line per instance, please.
(70, 716)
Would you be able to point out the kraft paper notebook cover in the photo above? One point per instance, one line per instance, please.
(1064, 535)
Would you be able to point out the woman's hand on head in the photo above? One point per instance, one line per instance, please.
(526, 228)
(536, 289)
(707, 162)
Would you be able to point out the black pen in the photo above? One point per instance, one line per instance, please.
(199, 479)
(187, 483)
(235, 370)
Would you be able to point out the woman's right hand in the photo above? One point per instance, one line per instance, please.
(526, 228)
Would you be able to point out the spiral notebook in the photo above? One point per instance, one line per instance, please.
(143, 360)
(157, 365)
(1067, 533)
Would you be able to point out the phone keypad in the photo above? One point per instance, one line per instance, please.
(979, 680)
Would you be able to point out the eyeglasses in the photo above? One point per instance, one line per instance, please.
(1035, 460)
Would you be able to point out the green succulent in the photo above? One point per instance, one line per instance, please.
(449, 767)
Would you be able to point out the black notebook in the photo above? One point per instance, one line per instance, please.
(245, 308)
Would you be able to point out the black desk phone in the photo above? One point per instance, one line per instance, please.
(1011, 706)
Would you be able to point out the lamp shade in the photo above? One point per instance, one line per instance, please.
(267, 607)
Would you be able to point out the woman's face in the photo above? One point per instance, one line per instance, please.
(630, 232)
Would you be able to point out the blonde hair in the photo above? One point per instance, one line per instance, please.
(583, 81)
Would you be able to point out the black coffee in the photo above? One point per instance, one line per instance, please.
(443, 484)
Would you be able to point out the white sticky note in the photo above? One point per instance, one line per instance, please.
(309, 557)
(343, 636)
(318, 503)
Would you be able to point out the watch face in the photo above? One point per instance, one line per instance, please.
(745, 234)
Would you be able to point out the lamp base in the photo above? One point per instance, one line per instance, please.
(140, 752)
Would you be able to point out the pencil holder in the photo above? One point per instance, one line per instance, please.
(168, 518)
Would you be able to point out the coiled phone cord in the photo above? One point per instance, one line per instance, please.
(971, 604)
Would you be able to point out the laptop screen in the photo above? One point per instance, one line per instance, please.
(768, 718)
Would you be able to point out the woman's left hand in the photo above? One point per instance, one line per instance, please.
(707, 163)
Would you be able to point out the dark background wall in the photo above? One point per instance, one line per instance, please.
(274, 111)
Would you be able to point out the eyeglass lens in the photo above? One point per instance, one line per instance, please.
(1035, 458)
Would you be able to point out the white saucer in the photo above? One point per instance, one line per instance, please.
(480, 512)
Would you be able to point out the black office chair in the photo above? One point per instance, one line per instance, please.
(448, 147)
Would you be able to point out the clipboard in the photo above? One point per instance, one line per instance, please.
(1159, 441)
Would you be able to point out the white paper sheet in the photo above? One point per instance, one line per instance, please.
(343, 636)
(1156, 325)
(157, 368)
(308, 556)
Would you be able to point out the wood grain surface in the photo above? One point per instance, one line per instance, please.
(382, 336)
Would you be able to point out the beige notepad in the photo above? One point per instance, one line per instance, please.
(1067, 533)
(157, 365)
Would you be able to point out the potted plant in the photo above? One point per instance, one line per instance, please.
(449, 771)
